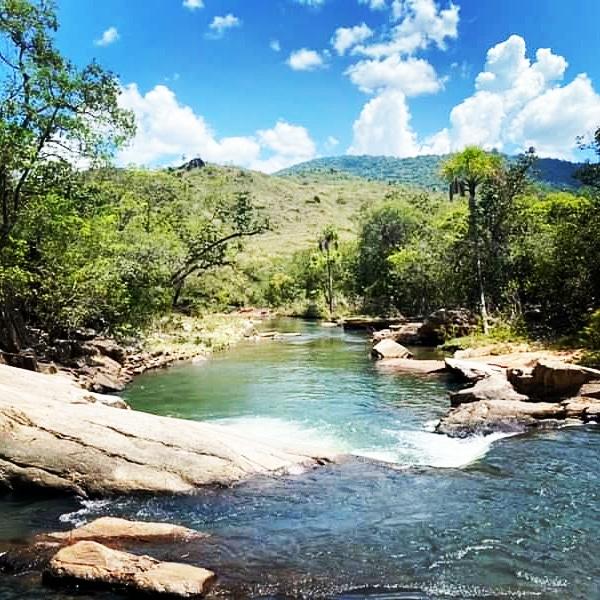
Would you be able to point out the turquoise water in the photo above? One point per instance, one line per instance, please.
(430, 518)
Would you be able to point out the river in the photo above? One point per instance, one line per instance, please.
(409, 514)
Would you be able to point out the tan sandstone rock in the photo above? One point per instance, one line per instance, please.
(94, 564)
(494, 387)
(110, 530)
(387, 348)
(54, 437)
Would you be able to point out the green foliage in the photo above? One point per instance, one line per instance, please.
(419, 171)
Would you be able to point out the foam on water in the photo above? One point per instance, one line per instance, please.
(398, 447)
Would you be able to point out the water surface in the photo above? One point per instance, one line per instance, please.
(438, 518)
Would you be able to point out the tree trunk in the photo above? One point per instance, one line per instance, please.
(13, 337)
(474, 235)
(329, 284)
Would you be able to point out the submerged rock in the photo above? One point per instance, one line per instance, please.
(111, 530)
(389, 349)
(93, 564)
(410, 365)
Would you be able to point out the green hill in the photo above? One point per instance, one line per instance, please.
(298, 208)
(420, 171)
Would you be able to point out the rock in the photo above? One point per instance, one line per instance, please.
(490, 416)
(586, 409)
(494, 387)
(403, 334)
(410, 365)
(109, 348)
(110, 530)
(54, 437)
(328, 324)
(95, 564)
(554, 379)
(444, 323)
(25, 360)
(368, 323)
(195, 163)
(471, 370)
(390, 349)
(105, 383)
(590, 390)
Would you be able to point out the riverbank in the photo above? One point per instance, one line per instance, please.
(107, 364)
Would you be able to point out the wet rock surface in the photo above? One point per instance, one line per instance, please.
(96, 565)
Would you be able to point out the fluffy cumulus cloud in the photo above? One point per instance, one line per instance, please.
(518, 103)
(110, 36)
(420, 24)
(413, 76)
(169, 133)
(305, 60)
(220, 25)
(193, 4)
(383, 127)
(347, 37)
(390, 68)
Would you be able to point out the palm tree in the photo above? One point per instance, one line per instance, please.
(465, 172)
(328, 242)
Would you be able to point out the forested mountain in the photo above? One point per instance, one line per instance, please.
(421, 171)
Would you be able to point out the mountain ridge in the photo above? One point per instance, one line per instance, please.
(421, 171)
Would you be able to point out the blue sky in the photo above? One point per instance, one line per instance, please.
(266, 83)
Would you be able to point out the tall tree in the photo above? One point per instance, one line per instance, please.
(589, 174)
(465, 172)
(328, 242)
(50, 111)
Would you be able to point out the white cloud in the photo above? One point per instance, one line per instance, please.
(412, 76)
(331, 143)
(193, 4)
(345, 38)
(383, 127)
(374, 4)
(421, 24)
(275, 45)
(110, 36)
(305, 60)
(169, 133)
(221, 24)
(520, 103)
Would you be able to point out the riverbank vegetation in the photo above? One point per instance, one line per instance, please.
(85, 244)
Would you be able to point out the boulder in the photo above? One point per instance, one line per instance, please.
(490, 416)
(471, 370)
(108, 347)
(111, 530)
(54, 437)
(402, 333)
(586, 409)
(590, 390)
(494, 387)
(554, 379)
(93, 564)
(444, 323)
(389, 349)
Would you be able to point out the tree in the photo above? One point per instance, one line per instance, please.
(465, 172)
(51, 112)
(589, 174)
(208, 232)
(327, 243)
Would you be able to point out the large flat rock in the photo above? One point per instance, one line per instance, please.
(55, 435)
(93, 564)
(490, 416)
